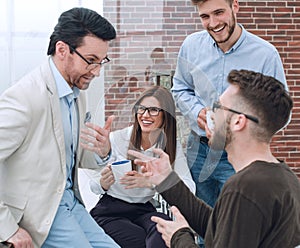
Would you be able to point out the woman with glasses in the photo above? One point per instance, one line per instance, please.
(125, 208)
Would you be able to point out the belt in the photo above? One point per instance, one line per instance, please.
(198, 138)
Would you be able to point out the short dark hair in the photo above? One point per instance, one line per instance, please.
(74, 24)
(266, 98)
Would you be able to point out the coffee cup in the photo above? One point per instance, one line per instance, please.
(119, 168)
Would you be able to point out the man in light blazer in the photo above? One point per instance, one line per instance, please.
(41, 117)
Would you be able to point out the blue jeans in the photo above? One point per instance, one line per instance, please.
(210, 170)
(74, 227)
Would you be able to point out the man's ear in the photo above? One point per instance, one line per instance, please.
(238, 122)
(235, 6)
(61, 49)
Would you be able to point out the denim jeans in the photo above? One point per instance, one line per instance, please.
(74, 227)
(210, 169)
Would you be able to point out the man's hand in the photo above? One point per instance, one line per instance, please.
(167, 228)
(156, 169)
(96, 139)
(21, 239)
(202, 122)
(107, 177)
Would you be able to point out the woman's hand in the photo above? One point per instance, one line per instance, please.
(133, 179)
(107, 177)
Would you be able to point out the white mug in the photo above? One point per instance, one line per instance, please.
(120, 167)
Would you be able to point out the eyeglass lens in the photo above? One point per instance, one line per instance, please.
(92, 65)
(153, 111)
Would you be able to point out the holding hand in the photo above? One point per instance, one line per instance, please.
(167, 228)
(202, 122)
(107, 177)
(133, 179)
(96, 139)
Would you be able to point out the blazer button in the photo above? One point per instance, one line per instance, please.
(59, 191)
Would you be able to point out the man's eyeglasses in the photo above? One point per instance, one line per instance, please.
(217, 105)
(153, 111)
(91, 65)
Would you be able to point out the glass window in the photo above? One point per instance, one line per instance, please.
(25, 28)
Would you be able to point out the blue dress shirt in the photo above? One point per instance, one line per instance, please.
(72, 226)
(69, 115)
(202, 69)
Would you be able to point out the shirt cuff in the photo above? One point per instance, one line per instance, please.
(184, 237)
(103, 160)
(96, 188)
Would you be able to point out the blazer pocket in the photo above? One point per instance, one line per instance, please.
(16, 205)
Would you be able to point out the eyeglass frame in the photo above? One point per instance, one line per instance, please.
(148, 109)
(218, 105)
(104, 61)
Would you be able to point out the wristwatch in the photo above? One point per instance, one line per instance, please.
(104, 159)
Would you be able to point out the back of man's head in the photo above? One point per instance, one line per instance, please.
(266, 98)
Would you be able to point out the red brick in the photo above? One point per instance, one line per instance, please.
(147, 24)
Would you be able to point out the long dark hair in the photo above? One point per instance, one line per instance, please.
(167, 138)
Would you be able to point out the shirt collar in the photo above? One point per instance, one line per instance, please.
(63, 88)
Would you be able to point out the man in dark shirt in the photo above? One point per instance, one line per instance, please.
(260, 205)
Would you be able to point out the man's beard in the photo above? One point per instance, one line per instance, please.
(222, 137)
(231, 30)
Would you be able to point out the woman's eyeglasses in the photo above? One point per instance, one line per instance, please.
(153, 111)
(217, 105)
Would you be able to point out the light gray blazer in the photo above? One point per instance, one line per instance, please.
(32, 155)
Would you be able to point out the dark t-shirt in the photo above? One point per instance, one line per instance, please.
(258, 207)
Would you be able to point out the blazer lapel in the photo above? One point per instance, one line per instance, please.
(56, 114)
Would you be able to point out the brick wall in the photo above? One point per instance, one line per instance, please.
(279, 23)
(145, 25)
